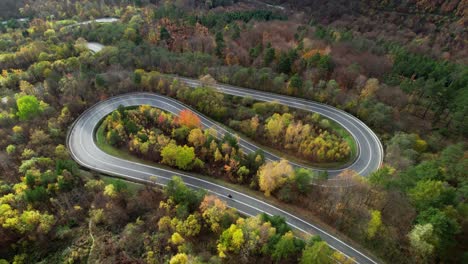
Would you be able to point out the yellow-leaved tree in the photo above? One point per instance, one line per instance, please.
(273, 175)
(375, 224)
(248, 236)
(231, 240)
(214, 211)
(180, 258)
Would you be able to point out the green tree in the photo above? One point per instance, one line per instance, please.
(137, 77)
(182, 195)
(180, 156)
(269, 57)
(303, 178)
(286, 247)
(313, 61)
(430, 193)
(208, 101)
(255, 51)
(50, 33)
(454, 162)
(131, 34)
(243, 172)
(235, 31)
(295, 82)
(10, 149)
(284, 63)
(383, 177)
(445, 227)
(164, 34)
(318, 253)
(100, 81)
(38, 194)
(278, 222)
(325, 63)
(219, 39)
(28, 107)
(113, 137)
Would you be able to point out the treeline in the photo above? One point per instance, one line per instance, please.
(427, 27)
(217, 20)
(429, 6)
(213, 19)
(82, 10)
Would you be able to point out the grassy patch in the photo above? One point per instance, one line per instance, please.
(347, 137)
(116, 152)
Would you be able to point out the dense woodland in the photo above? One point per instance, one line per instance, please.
(435, 27)
(408, 83)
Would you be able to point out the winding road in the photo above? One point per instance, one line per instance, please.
(84, 150)
(82, 146)
(370, 150)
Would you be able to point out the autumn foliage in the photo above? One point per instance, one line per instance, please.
(273, 175)
(189, 119)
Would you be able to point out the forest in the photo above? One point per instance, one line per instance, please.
(408, 83)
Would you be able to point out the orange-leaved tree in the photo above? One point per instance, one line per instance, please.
(189, 119)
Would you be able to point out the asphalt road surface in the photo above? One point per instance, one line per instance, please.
(83, 148)
(94, 46)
